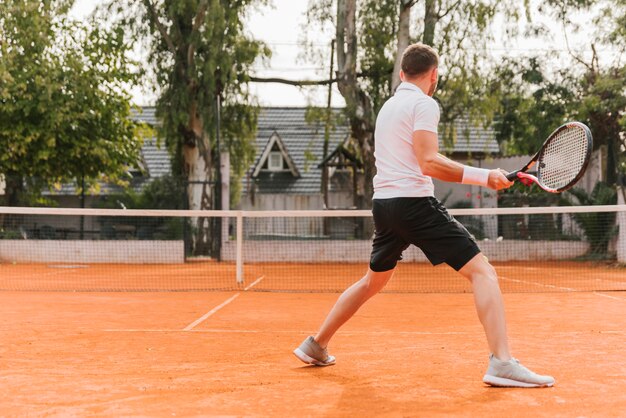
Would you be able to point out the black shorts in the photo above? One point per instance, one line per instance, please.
(423, 222)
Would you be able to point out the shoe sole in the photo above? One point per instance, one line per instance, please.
(305, 358)
(508, 383)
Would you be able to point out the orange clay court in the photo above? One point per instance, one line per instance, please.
(66, 351)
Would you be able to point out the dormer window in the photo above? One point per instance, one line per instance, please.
(275, 158)
(275, 161)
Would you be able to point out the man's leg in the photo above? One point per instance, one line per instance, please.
(503, 369)
(489, 304)
(313, 349)
(350, 301)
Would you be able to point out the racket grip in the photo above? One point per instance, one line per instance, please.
(513, 175)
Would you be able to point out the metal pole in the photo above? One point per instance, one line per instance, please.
(82, 206)
(239, 251)
(218, 185)
(325, 171)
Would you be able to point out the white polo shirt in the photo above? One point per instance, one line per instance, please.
(398, 173)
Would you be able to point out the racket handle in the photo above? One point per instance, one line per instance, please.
(513, 175)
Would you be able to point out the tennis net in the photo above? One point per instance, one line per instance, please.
(533, 249)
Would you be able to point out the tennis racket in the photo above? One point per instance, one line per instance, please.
(561, 161)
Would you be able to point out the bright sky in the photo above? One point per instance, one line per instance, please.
(281, 26)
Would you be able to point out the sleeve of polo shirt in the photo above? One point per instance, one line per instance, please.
(426, 115)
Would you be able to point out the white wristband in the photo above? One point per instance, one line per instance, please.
(473, 175)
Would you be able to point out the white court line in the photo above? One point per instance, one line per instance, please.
(561, 288)
(344, 333)
(609, 296)
(256, 331)
(220, 306)
(211, 312)
(538, 284)
(254, 283)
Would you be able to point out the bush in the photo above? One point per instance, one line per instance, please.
(599, 227)
(162, 193)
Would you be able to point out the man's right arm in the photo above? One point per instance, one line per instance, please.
(433, 164)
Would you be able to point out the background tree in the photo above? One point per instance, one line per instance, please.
(64, 109)
(537, 95)
(532, 103)
(198, 52)
(371, 37)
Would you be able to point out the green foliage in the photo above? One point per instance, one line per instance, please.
(599, 227)
(535, 99)
(602, 103)
(325, 121)
(537, 227)
(379, 21)
(195, 56)
(10, 234)
(64, 110)
(460, 31)
(461, 37)
(238, 139)
(520, 195)
(166, 192)
(319, 117)
(531, 105)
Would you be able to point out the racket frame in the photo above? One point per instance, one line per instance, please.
(533, 176)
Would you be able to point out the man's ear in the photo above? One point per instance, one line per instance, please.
(434, 75)
(402, 76)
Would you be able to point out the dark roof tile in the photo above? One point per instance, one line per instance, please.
(303, 141)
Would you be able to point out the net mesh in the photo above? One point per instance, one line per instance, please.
(563, 158)
(533, 250)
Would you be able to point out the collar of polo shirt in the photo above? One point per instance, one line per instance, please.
(405, 85)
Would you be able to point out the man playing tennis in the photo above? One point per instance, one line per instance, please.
(406, 212)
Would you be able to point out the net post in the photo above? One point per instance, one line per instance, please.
(621, 224)
(239, 256)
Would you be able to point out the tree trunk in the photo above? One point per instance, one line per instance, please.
(358, 104)
(197, 170)
(404, 36)
(13, 190)
(430, 22)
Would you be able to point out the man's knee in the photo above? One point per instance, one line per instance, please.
(485, 272)
(375, 281)
(479, 268)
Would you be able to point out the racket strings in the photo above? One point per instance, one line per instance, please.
(563, 158)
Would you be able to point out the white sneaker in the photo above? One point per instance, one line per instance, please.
(310, 352)
(512, 374)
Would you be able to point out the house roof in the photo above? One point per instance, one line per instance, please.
(471, 138)
(304, 143)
